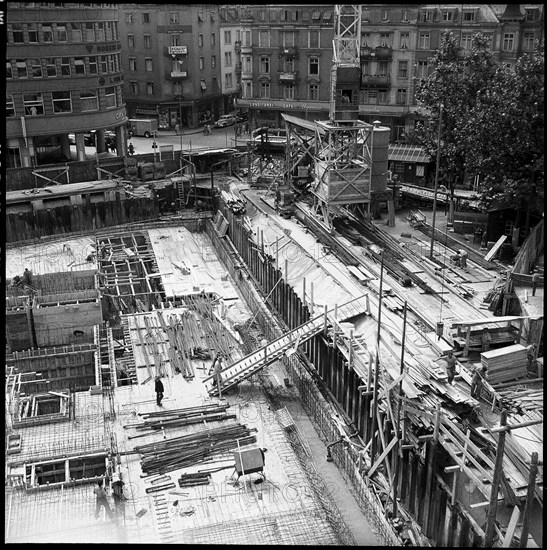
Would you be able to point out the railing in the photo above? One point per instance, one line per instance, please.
(376, 80)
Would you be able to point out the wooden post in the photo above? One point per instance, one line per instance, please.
(350, 359)
(397, 453)
(287, 271)
(493, 507)
(431, 462)
(277, 256)
(311, 298)
(374, 410)
(467, 342)
(325, 321)
(529, 500)
(303, 291)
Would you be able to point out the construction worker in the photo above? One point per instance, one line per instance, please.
(159, 391)
(117, 493)
(216, 368)
(27, 277)
(477, 382)
(531, 355)
(101, 501)
(463, 258)
(451, 367)
(486, 339)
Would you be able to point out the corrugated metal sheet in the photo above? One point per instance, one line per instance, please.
(407, 153)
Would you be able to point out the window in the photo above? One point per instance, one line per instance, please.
(467, 40)
(227, 37)
(47, 33)
(147, 41)
(89, 32)
(215, 83)
(9, 72)
(10, 108)
(265, 65)
(263, 39)
(174, 18)
(383, 68)
(99, 31)
(131, 40)
(34, 104)
(89, 100)
(531, 14)
(247, 89)
(313, 66)
(288, 39)
(401, 96)
(228, 59)
(385, 15)
(382, 97)
(423, 67)
(247, 64)
(508, 42)
(146, 17)
(468, 15)
(174, 39)
(385, 39)
(403, 69)
(313, 92)
(110, 97)
(148, 64)
(65, 66)
(133, 64)
(21, 68)
(288, 91)
(247, 38)
(201, 63)
(75, 32)
(405, 16)
(265, 90)
(35, 68)
(17, 31)
(213, 39)
(32, 32)
(93, 68)
(405, 39)
(289, 64)
(427, 16)
(313, 39)
(177, 88)
(366, 42)
(423, 41)
(79, 65)
(528, 40)
(365, 68)
(200, 40)
(372, 97)
(228, 80)
(134, 87)
(448, 15)
(129, 17)
(104, 64)
(213, 61)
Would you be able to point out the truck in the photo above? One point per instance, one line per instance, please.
(142, 127)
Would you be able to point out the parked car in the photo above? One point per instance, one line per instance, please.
(89, 137)
(242, 117)
(225, 120)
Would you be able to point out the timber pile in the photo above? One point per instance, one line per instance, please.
(234, 202)
(180, 417)
(522, 400)
(188, 480)
(180, 452)
(505, 364)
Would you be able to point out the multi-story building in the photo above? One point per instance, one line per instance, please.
(63, 76)
(171, 62)
(287, 55)
(230, 56)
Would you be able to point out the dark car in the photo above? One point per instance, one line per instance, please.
(242, 117)
(89, 137)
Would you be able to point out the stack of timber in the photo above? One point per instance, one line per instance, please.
(504, 364)
(188, 480)
(522, 399)
(179, 452)
(180, 417)
(236, 203)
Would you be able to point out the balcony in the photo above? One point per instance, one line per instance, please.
(238, 68)
(381, 52)
(287, 76)
(237, 46)
(376, 81)
(288, 50)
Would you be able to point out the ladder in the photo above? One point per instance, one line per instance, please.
(271, 352)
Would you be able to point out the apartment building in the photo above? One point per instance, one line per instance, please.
(171, 62)
(63, 77)
(230, 56)
(286, 55)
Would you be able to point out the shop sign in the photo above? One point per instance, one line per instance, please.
(174, 50)
(283, 105)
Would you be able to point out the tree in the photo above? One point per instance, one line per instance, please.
(492, 120)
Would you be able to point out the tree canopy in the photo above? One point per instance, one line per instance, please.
(491, 121)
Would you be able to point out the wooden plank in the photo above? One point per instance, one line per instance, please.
(506, 543)
(492, 252)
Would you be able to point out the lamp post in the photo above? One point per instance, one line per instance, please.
(436, 183)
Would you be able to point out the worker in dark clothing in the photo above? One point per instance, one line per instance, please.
(216, 368)
(27, 277)
(486, 339)
(117, 494)
(535, 281)
(451, 367)
(477, 382)
(131, 149)
(100, 493)
(159, 390)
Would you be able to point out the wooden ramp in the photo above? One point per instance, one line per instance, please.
(252, 363)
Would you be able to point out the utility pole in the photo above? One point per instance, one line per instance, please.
(436, 182)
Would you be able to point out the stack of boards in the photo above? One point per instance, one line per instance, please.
(505, 364)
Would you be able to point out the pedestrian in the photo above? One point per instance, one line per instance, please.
(477, 382)
(451, 367)
(101, 501)
(535, 281)
(177, 128)
(486, 339)
(131, 149)
(159, 391)
(531, 355)
(27, 277)
(216, 369)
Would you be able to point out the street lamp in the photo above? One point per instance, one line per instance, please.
(436, 183)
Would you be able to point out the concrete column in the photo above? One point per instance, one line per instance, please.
(25, 151)
(65, 146)
(121, 141)
(80, 147)
(99, 141)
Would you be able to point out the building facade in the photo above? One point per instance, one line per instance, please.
(63, 76)
(230, 56)
(171, 59)
(286, 55)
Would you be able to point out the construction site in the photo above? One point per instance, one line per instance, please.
(336, 316)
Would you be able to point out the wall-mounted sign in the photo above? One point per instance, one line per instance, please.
(175, 50)
(179, 74)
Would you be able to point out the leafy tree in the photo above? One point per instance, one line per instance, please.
(491, 123)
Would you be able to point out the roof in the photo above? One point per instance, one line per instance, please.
(407, 153)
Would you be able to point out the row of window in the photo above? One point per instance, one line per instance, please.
(73, 32)
(383, 68)
(174, 17)
(52, 67)
(38, 103)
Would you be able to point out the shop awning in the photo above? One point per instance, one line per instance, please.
(407, 153)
